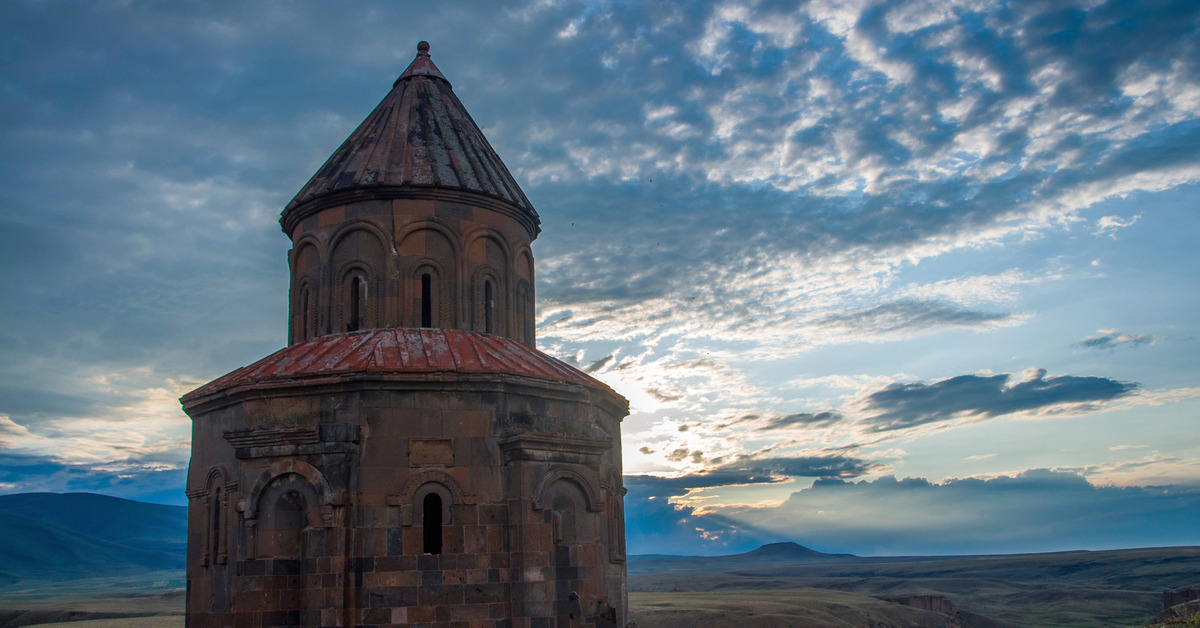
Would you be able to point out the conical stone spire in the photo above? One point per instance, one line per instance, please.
(419, 136)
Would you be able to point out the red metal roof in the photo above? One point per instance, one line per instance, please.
(402, 351)
(420, 135)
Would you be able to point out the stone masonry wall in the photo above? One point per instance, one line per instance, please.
(325, 519)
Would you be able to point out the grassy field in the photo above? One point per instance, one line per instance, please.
(62, 610)
(1063, 590)
(790, 608)
(771, 588)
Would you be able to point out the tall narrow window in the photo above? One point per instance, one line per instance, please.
(426, 300)
(489, 308)
(432, 523)
(524, 335)
(304, 314)
(355, 305)
(215, 525)
(310, 316)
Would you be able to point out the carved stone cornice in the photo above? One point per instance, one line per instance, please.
(294, 441)
(542, 447)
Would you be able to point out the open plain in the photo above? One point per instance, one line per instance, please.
(784, 584)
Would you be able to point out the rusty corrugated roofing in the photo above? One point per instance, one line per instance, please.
(420, 135)
(401, 351)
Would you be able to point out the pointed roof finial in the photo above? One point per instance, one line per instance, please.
(420, 137)
(422, 65)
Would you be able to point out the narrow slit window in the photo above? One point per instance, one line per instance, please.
(215, 524)
(310, 316)
(355, 322)
(523, 317)
(426, 300)
(489, 308)
(432, 524)
(304, 314)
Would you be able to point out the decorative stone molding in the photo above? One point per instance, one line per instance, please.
(272, 437)
(553, 448)
(595, 499)
(409, 498)
(294, 441)
(325, 495)
(405, 496)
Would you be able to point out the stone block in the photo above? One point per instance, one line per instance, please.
(469, 612)
(452, 540)
(420, 614)
(466, 514)
(429, 562)
(493, 513)
(413, 540)
(395, 542)
(486, 593)
(440, 595)
(376, 616)
(431, 452)
(495, 538)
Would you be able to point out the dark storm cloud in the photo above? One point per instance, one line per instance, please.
(1035, 511)
(1113, 338)
(901, 406)
(750, 470)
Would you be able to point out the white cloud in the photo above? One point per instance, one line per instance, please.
(1108, 225)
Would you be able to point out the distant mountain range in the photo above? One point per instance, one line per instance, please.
(51, 537)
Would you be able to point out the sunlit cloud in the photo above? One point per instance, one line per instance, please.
(1108, 225)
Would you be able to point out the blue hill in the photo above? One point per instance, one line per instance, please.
(51, 537)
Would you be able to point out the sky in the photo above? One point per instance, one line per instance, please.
(885, 278)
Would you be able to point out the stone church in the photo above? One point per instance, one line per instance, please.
(410, 458)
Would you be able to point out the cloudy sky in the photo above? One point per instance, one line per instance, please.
(876, 277)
